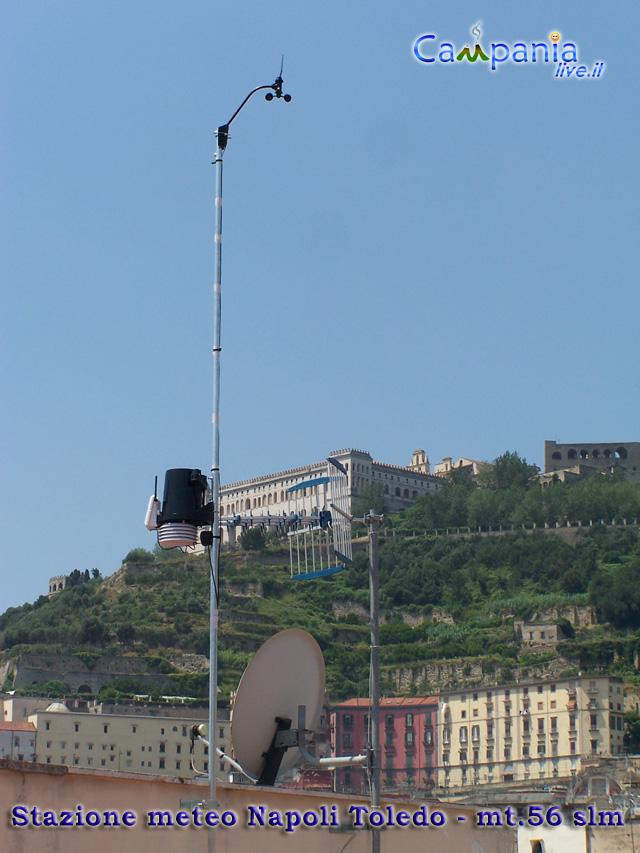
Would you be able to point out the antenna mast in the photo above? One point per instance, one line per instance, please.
(275, 91)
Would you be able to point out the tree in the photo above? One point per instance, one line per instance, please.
(93, 631)
(632, 732)
(510, 470)
(252, 539)
(138, 555)
(370, 498)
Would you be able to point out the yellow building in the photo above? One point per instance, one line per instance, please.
(132, 743)
(527, 731)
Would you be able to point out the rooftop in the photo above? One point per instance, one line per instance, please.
(391, 702)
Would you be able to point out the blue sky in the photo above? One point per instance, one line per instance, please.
(415, 255)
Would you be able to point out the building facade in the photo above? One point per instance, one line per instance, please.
(269, 495)
(18, 741)
(132, 743)
(593, 458)
(408, 743)
(527, 731)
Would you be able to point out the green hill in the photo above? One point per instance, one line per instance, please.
(449, 604)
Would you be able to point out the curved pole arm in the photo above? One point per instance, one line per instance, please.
(276, 87)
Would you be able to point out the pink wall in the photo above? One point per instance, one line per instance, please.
(407, 739)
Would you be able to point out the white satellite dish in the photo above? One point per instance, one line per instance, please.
(286, 672)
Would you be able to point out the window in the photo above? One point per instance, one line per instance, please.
(541, 748)
(76, 727)
(221, 732)
(541, 726)
(475, 733)
(47, 726)
(594, 747)
(388, 721)
(162, 747)
(554, 724)
(525, 750)
(409, 719)
(463, 734)
(463, 714)
(409, 737)
(134, 729)
(489, 729)
(177, 765)
(161, 763)
(105, 728)
(507, 754)
(572, 747)
(348, 721)
(89, 746)
(428, 735)
(593, 721)
(346, 739)
(178, 748)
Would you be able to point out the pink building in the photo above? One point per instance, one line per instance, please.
(407, 742)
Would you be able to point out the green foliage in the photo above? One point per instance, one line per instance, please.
(138, 555)
(632, 732)
(370, 497)
(483, 582)
(253, 539)
(616, 594)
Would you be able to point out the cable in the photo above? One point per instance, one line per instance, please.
(213, 578)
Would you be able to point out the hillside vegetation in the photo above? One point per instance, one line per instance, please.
(443, 598)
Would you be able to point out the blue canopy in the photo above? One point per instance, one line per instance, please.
(317, 482)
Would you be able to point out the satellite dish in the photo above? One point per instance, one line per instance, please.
(287, 671)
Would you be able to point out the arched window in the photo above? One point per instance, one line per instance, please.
(572, 454)
(595, 454)
(621, 452)
(282, 496)
(247, 503)
(556, 454)
(606, 454)
(397, 491)
(233, 509)
(584, 454)
(415, 494)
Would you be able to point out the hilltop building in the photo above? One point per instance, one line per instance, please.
(571, 461)
(268, 494)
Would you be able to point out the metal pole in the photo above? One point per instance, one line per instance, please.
(373, 522)
(214, 586)
(215, 496)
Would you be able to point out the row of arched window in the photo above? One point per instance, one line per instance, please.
(572, 453)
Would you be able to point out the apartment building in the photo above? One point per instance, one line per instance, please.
(527, 731)
(407, 730)
(122, 742)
